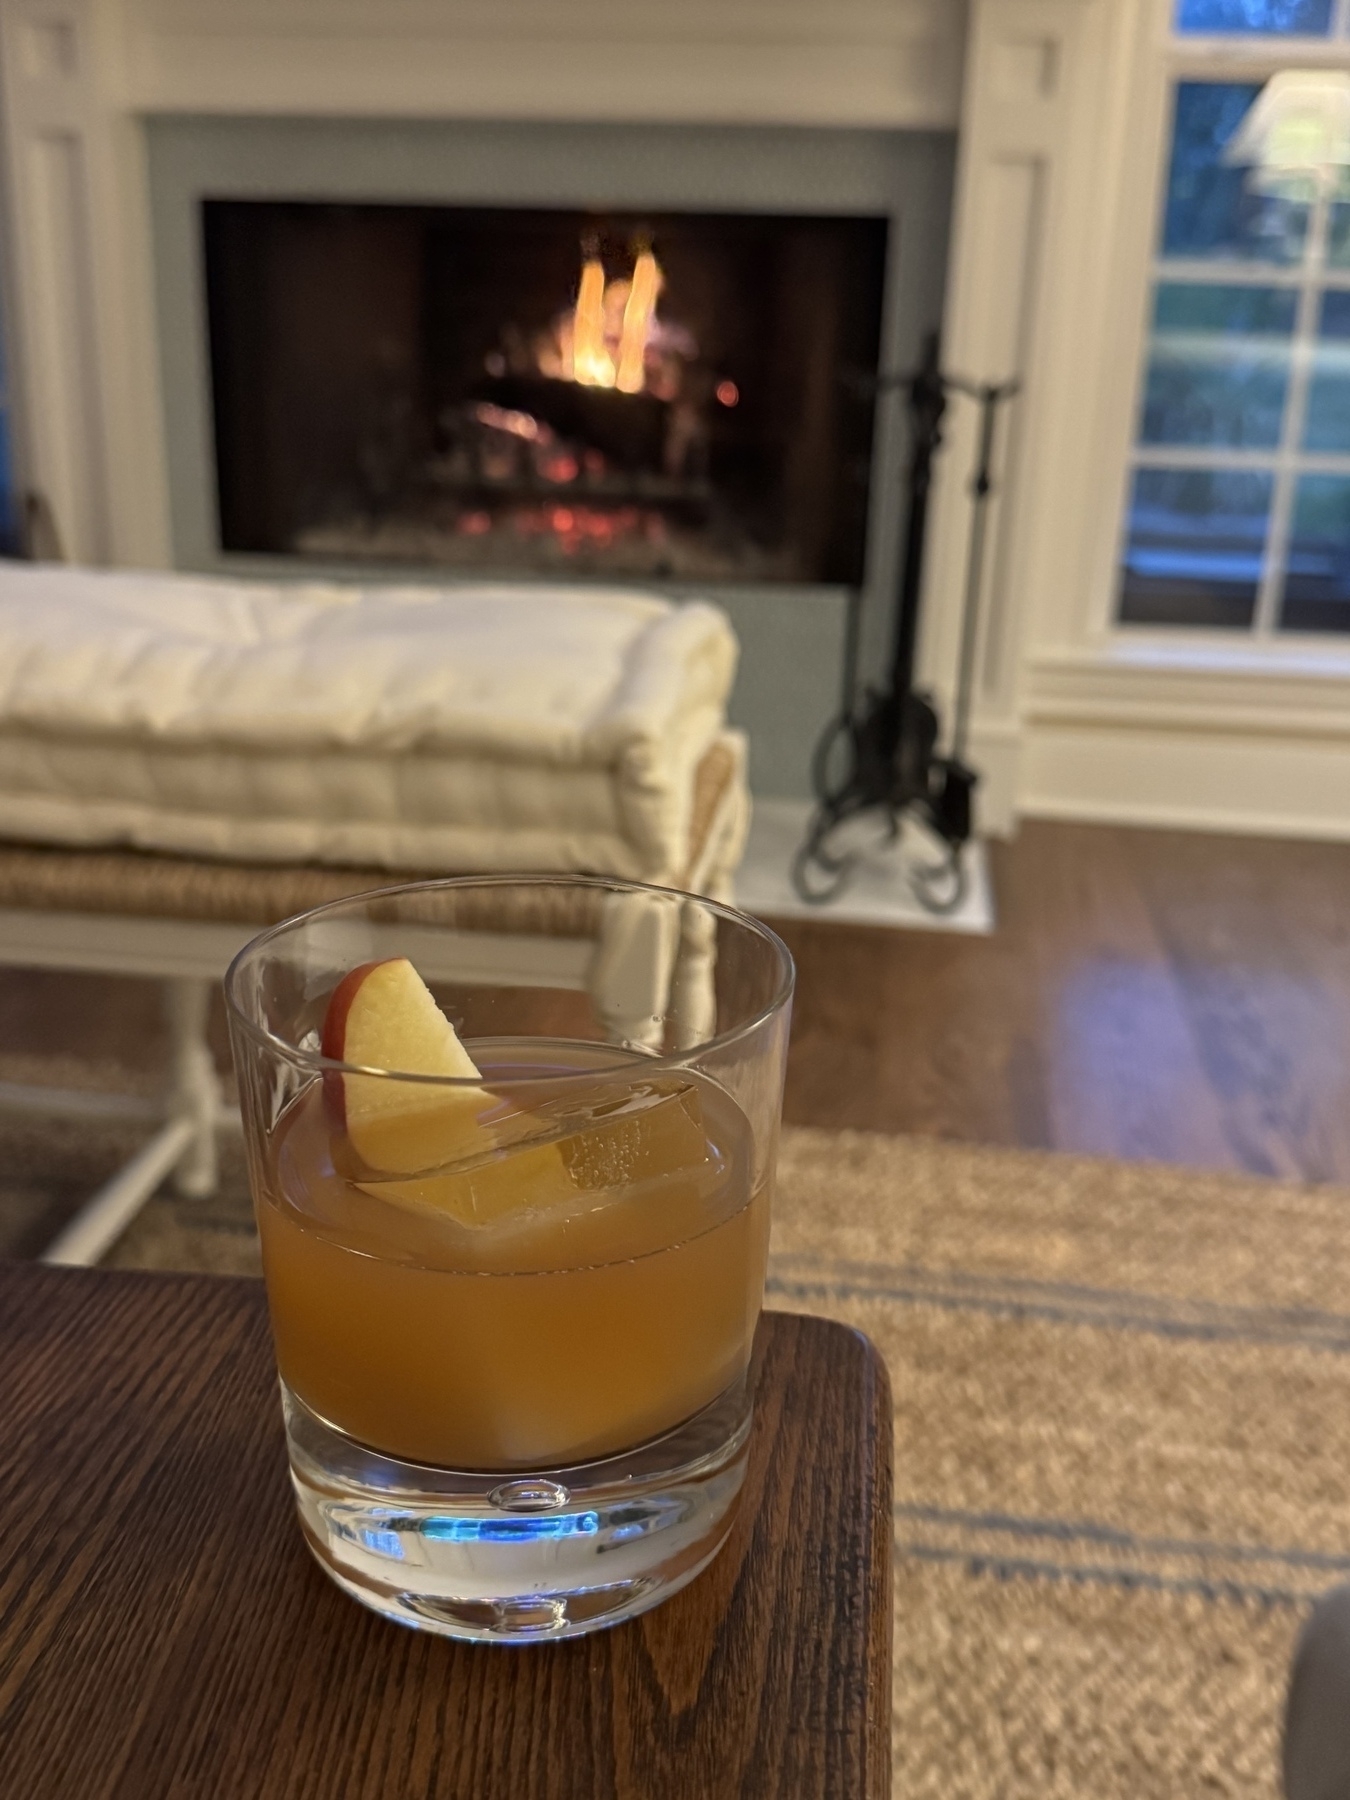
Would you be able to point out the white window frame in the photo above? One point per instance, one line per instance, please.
(1179, 57)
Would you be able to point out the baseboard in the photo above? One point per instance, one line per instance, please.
(1261, 783)
(996, 752)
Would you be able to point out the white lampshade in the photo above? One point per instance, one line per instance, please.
(1295, 138)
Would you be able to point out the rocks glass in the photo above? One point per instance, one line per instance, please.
(513, 1325)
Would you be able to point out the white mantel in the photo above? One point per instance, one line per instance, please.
(1020, 78)
(820, 62)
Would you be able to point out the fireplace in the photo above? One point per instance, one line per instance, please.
(666, 395)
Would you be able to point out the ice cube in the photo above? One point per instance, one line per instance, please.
(564, 1156)
(644, 1131)
(524, 1177)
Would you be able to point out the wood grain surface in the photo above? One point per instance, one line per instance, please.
(1167, 995)
(1162, 995)
(163, 1632)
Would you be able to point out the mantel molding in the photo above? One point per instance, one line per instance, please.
(875, 63)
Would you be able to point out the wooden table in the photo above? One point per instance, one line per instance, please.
(164, 1633)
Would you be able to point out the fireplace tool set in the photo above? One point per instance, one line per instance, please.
(880, 753)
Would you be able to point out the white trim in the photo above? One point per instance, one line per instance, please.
(1033, 78)
(1196, 733)
(1206, 456)
(1137, 197)
(84, 371)
(1232, 686)
(1243, 274)
(1210, 59)
(1189, 776)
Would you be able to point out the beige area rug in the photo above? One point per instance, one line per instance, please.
(1122, 1402)
(1122, 1454)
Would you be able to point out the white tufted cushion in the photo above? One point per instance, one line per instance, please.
(470, 727)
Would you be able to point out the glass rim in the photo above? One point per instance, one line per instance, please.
(327, 1065)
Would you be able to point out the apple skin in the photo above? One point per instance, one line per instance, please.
(385, 1130)
(334, 1037)
(382, 1016)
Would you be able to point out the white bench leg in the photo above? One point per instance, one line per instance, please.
(185, 1145)
(105, 1216)
(693, 999)
(194, 1092)
(630, 976)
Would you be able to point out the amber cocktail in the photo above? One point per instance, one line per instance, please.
(511, 1145)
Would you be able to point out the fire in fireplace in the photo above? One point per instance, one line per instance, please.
(681, 396)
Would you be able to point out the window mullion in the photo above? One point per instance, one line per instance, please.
(1302, 352)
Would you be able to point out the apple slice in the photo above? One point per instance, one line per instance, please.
(382, 1015)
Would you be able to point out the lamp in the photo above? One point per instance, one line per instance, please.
(1295, 137)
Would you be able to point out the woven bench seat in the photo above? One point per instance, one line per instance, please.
(150, 885)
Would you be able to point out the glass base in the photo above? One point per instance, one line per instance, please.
(514, 1558)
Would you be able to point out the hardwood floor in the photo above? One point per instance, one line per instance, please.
(1167, 995)
(1147, 994)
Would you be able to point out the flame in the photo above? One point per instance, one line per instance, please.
(638, 313)
(592, 364)
(603, 341)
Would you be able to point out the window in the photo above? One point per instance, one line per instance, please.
(1271, 18)
(1238, 513)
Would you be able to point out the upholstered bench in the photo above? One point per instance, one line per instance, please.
(120, 763)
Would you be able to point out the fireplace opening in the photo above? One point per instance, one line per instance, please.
(673, 395)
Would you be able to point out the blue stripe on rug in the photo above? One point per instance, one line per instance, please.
(835, 1268)
(1006, 1568)
(1122, 1311)
(1090, 1531)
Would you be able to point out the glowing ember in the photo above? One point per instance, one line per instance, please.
(576, 529)
(518, 424)
(560, 466)
(728, 394)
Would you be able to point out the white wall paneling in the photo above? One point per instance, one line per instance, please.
(1012, 236)
(67, 415)
(85, 383)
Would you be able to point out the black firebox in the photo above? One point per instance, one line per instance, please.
(681, 396)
